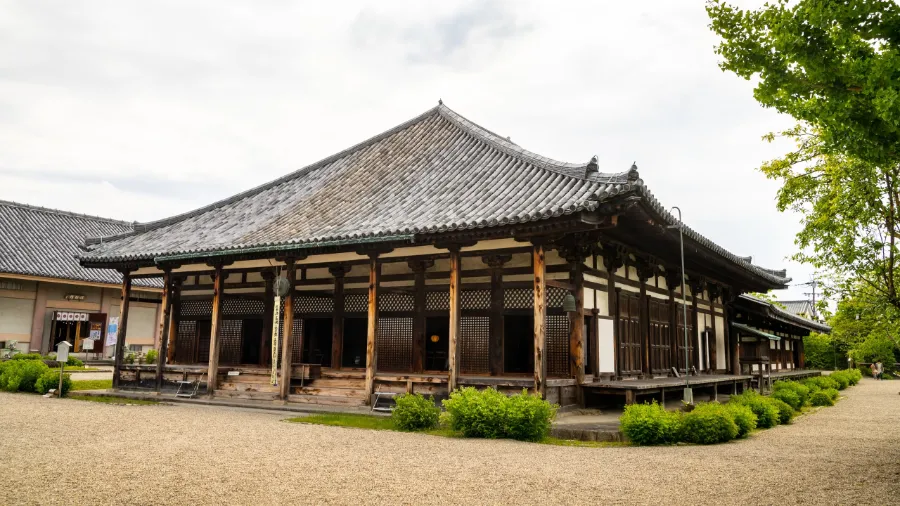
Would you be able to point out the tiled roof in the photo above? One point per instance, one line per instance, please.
(797, 307)
(438, 172)
(787, 315)
(36, 241)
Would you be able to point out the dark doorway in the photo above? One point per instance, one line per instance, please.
(317, 341)
(437, 343)
(251, 334)
(63, 331)
(518, 344)
(355, 332)
(588, 336)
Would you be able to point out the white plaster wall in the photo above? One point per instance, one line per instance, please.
(603, 302)
(720, 343)
(15, 319)
(606, 346)
(588, 299)
(142, 324)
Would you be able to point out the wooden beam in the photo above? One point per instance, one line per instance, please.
(287, 334)
(453, 352)
(212, 378)
(265, 356)
(540, 319)
(372, 330)
(337, 322)
(164, 331)
(123, 327)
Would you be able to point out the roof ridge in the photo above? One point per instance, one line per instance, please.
(51, 210)
(145, 227)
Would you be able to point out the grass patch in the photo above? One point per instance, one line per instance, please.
(112, 400)
(82, 369)
(91, 384)
(574, 442)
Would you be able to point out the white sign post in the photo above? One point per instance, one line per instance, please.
(62, 355)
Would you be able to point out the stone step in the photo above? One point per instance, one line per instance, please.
(248, 387)
(256, 396)
(330, 391)
(326, 400)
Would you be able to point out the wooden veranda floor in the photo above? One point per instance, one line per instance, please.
(632, 389)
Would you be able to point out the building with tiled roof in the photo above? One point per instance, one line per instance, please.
(45, 294)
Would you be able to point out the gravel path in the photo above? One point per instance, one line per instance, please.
(75, 452)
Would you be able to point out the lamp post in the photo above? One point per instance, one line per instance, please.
(688, 393)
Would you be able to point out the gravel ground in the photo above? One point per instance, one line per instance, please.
(75, 452)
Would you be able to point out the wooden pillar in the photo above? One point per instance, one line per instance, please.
(174, 319)
(453, 353)
(419, 306)
(713, 342)
(593, 333)
(268, 317)
(371, 352)
(164, 331)
(540, 319)
(212, 377)
(673, 279)
(612, 261)
(734, 350)
(696, 288)
(287, 334)
(498, 323)
(123, 327)
(576, 257)
(337, 322)
(644, 272)
(801, 355)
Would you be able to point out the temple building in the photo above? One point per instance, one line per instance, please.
(436, 255)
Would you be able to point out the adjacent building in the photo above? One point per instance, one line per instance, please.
(47, 297)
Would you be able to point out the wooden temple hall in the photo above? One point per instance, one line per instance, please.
(433, 256)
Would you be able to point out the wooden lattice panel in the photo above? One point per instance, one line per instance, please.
(356, 303)
(475, 299)
(310, 304)
(518, 298)
(396, 302)
(555, 296)
(184, 341)
(203, 348)
(242, 307)
(230, 341)
(437, 301)
(194, 308)
(557, 351)
(296, 350)
(394, 342)
(475, 336)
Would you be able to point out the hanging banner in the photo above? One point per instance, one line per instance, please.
(113, 331)
(276, 322)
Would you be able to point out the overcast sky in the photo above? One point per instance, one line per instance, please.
(139, 110)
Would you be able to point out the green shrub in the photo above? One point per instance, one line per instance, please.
(50, 379)
(650, 424)
(413, 412)
(865, 370)
(490, 414)
(26, 356)
(74, 362)
(833, 393)
(855, 376)
(821, 383)
(842, 379)
(151, 357)
(821, 398)
(788, 397)
(800, 390)
(709, 423)
(785, 411)
(743, 418)
(766, 412)
(129, 359)
(21, 375)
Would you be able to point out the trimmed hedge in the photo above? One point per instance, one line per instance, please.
(766, 411)
(785, 411)
(798, 389)
(821, 398)
(21, 375)
(833, 393)
(744, 418)
(50, 380)
(842, 379)
(651, 424)
(709, 423)
(490, 414)
(26, 356)
(415, 412)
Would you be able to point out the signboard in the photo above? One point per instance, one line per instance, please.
(87, 344)
(276, 322)
(96, 331)
(68, 316)
(62, 352)
(113, 331)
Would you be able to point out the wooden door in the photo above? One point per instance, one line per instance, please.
(629, 334)
(660, 337)
(679, 337)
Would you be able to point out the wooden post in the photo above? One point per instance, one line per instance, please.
(164, 331)
(801, 354)
(371, 352)
(337, 322)
(576, 320)
(453, 352)
(268, 315)
(419, 301)
(673, 279)
(498, 324)
(713, 342)
(644, 272)
(696, 287)
(174, 319)
(212, 377)
(540, 319)
(123, 327)
(287, 340)
(612, 260)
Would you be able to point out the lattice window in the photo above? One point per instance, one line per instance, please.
(475, 299)
(230, 341)
(557, 351)
(396, 302)
(191, 308)
(394, 342)
(356, 303)
(437, 301)
(311, 304)
(296, 351)
(555, 296)
(242, 307)
(184, 343)
(203, 342)
(474, 336)
(518, 298)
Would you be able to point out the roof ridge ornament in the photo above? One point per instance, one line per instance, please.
(593, 166)
(440, 102)
(633, 172)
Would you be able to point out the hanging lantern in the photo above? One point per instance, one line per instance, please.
(569, 305)
(282, 286)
